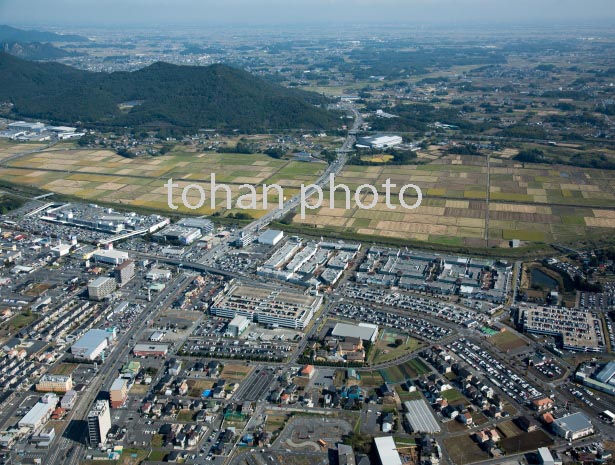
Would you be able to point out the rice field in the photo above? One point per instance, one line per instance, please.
(104, 175)
(532, 203)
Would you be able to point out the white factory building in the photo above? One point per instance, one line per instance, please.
(111, 256)
(365, 331)
(238, 325)
(40, 413)
(92, 344)
(270, 237)
(379, 142)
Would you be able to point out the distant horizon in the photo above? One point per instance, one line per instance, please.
(324, 13)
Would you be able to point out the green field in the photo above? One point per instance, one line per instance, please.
(385, 349)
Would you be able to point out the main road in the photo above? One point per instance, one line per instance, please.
(334, 168)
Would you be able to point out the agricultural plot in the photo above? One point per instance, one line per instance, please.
(532, 203)
(103, 175)
(407, 370)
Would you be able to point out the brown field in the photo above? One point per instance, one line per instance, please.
(507, 340)
(235, 372)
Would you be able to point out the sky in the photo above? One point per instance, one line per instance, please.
(195, 12)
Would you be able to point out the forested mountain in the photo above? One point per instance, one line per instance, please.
(187, 97)
(34, 50)
(11, 34)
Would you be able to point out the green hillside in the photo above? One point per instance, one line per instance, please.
(186, 97)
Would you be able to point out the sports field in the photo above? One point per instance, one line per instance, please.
(104, 175)
(533, 203)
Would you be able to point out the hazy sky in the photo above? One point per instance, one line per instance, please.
(112, 12)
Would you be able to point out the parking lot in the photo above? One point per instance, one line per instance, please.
(504, 378)
(421, 329)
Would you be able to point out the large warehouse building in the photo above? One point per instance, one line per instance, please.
(365, 331)
(379, 142)
(38, 415)
(274, 307)
(91, 344)
(387, 451)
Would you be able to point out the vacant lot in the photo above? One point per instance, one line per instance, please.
(235, 372)
(507, 341)
(462, 449)
(525, 442)
(197, 386)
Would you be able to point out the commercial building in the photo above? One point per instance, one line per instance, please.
(156, 336)
(99, 423)
(387, 451)
(124, 272)
(158, 274)
(40, 413)
(379, 142)
(91, 344)
(60, 250)
(68, 400)
(150, 350)
(118, 392)
(111, 256)
(238, 325)
(270, 237)
(204, 225)
(364, 331)
(101, 288)
(274, 307)
(55, 383)
(419, 417)
(546, 458)
(178, 234)
(44, 438)
(573, 426)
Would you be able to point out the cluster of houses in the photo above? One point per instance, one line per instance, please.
(474, 388)
(182, 436)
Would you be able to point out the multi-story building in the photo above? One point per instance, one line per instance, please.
(55, 383)
(101, 288)
(274, 307)
(124, 272)
(118, 392)
(99, 423)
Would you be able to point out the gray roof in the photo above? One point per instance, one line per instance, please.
(420, 418)
(347, 330)
(575, 422)
(91, 339)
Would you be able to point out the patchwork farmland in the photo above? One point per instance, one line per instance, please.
(103, 175)
(532, 203)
